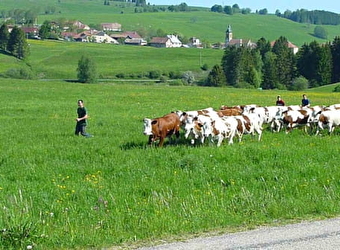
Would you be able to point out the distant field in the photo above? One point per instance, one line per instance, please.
(59, 60)
(58, 191)
(201, 23)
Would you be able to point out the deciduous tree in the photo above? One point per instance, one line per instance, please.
(87, 71)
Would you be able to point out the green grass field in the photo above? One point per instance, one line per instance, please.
(59, 191)
(59, 60)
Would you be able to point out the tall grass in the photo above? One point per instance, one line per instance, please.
(62, 191)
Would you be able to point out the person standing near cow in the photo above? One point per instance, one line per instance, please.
(305, 101)
(279, 101)
(81, 120)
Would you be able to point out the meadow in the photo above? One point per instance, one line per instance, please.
(59, 60)
(60, 191)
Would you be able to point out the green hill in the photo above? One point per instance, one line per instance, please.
(59, 59)
(200, 23)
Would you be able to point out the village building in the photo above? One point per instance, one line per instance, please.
(135, 41)
(111, 27)
(30, 32)
(290, 45)
(102, 37)
(126, 34)
(230, 41)
(170, 41)
(78, 25)
(69, 36)
(195, 42)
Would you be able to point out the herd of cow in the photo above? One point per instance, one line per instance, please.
(230, 122)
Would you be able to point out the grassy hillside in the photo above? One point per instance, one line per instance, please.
(58, 191)
(59, 60)
(200, 23)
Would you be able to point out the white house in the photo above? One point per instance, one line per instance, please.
(194, 42)
(102, 37)
(175, 42)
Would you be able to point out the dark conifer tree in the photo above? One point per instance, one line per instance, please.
(216, 77)
(17, 44)
(285, 62)
(4, 37)
(335, 50)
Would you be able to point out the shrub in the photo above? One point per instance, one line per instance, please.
(20, 73)
(320, 32)
(188, 77)
(174, 75)
(244, 85)
(205, 67)
(120, 75)
(154, 74)
(163, 79)
(299, 83)
(87, 70)
(337, 89)
(176, 83)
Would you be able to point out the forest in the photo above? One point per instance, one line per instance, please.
(277, 67)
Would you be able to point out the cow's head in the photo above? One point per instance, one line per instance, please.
(147, 126)
(208, 127)
(189, 125)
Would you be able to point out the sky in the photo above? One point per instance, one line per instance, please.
(270, 5)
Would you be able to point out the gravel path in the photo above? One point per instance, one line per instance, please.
(317, 235)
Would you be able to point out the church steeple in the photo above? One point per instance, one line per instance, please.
(229, 34)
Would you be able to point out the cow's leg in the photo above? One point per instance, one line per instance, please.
(219, 140)
(231, 138)
(259, 132)
(177, 136)
(150, 139)
(331, 128)
(319, 126)
(161, 141)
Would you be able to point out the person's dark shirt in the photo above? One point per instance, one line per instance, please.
(81, 113)
(305, 102)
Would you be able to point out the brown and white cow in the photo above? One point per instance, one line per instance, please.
(296, 118)
(249, 124)
(190, 120)
(328, 119)
(229, 112)
(162, 127)
(215, 129)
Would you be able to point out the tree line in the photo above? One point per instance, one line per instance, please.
(318, 17)
(13, 42)
(235, 9)
(277, 67)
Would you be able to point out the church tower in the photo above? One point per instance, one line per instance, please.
(229, 34)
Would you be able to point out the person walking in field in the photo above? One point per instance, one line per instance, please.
(81, 120)
(279, 101)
